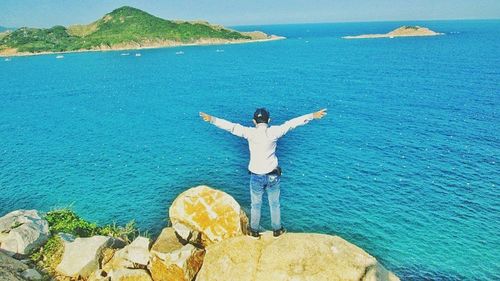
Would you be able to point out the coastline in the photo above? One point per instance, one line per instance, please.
(151, 45)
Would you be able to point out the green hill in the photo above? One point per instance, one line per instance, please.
(122, 27)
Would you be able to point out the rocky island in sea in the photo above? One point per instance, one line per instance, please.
(206, 241)
(122, 29)
(404, 31)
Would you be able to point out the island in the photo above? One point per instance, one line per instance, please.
(125, 28)
(404, 31)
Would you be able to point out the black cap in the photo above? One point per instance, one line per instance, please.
(261, 115)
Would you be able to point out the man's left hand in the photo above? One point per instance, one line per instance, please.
(206, 117)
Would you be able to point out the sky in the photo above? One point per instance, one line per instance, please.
(47, 13)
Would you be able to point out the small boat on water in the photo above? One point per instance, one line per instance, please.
(219, 51)
(124, 54)
(179, 53)
(137, 55)
(60, 57)
(7, 59)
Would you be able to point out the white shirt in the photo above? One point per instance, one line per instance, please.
(262, 140)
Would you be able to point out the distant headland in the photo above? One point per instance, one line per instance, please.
(404, 31)
(125, 28)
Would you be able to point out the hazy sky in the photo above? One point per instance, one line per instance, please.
(46, 13)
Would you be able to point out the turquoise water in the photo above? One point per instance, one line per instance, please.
(405, 165)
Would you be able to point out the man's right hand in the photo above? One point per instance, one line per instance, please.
(319, 114)
(206, 117)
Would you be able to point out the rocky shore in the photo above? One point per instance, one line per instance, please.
(206, 241)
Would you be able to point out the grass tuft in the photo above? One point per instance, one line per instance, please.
(127, 233)
(50, 254)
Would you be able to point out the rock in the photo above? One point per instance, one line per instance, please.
(126, 274)
(127, 263)
(81, 257)
(135, 255)
(31, 274)
(293, 256)
(66, 237)
(170, 260)
(10, 268)
(98, 275)
(22, 231)
(202, 215)
(138, 251)
(378, 272)
(167, 242)
(107, 256)
(179, 265)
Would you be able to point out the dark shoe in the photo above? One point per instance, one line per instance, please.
(279, 232)
(254, 234)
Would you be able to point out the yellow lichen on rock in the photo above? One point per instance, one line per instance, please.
(170, 260)
(167, 269)
(294, 256)
(212, 214)
(161, 271)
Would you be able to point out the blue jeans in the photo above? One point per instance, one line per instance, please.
(259, 184)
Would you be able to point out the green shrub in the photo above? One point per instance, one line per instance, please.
(49, 255)
(66, 221)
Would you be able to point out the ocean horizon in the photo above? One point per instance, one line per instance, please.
(405, 164)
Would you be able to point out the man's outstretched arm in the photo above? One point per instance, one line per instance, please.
(233, 128)
(289, 125)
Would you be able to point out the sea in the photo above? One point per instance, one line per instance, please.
(405, 165)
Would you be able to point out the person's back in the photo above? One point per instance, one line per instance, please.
(262, 146)
(263, 164)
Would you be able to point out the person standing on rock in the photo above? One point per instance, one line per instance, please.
(263, 167)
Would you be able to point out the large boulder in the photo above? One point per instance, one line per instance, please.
(22, 231)
(173, 261)
(204, 216)
(11, 269)
(292, 256)
(81, 256)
